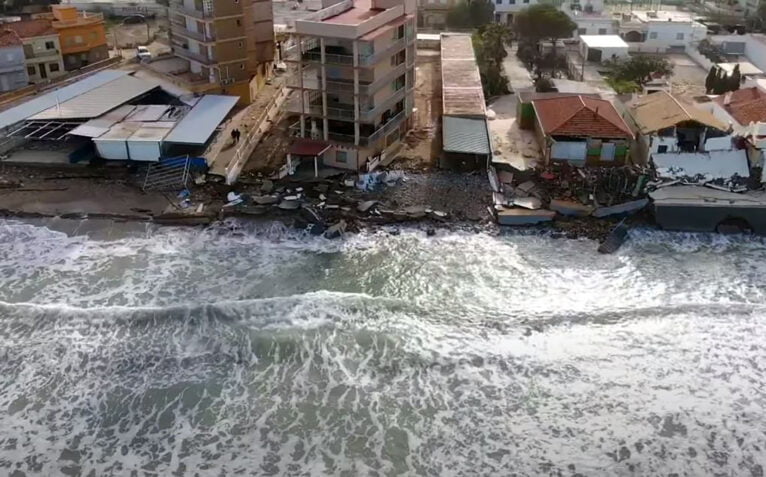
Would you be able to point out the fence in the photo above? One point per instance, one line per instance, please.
(242, 154)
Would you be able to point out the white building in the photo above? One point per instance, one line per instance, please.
(600, 48)
(750, 47)
(505, 10)
(661, 31)
(590, 17)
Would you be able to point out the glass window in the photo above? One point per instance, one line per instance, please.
(525, 1)
(499, 2)
(78, 39)
(653, 35)
(31, 70)
(679, 36)
(511, 2)
(49, 45)
(53, 67)
(341, 156)
(602, 31)
(582, 31)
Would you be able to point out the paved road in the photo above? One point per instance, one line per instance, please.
(517, 74)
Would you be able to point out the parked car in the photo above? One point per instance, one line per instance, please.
(143, 53)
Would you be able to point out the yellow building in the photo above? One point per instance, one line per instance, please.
(82, 35)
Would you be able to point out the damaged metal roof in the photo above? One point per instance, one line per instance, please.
(660, 110)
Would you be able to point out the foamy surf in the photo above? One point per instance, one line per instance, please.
(265, 351)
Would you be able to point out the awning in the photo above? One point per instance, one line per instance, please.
(200, 123)
(308, 147)
(465, 135)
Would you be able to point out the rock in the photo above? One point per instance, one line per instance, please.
(332, 206)
(440, 214)
(292, 197)
(532, 203)
(322, 197)
(318, 229)
(267, 186)
(321, 188)
(266, 199)
(415, 211)
(430, 231)
(366, 205)
(289, 205)
(349, 182)
(336, 230)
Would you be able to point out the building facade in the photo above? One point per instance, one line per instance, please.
(505, 10)
(354, 78)
(228, 43)
(13, 72)
(42, 49)
(432, 14)
(82, 35)
(661, 31)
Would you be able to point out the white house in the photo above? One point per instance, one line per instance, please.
(590, 17)
(600, 48)
(505, 10)
(751, 47)
(661, 31)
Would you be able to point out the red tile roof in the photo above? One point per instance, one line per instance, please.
(580, 116)
(9, 38)
(745, 105)
(31, 28)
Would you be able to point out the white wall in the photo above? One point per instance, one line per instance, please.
(662, 35)
(594, 26)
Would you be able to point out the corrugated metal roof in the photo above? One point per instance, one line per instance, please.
(200, 123)
(40, 103)
(153, 131)
(99, 100)
(465, 135)
(100, 125)
(149, 112)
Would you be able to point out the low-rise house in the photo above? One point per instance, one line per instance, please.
(747, 70)
(661, 31)
(82, 35)
(42, 49)
(13, 72)
(505, 10)
(750, 48)
(745, 111)
(590, 17)
(600, 48)
(582, 131)
(666, 124)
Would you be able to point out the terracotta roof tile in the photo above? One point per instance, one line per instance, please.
(580, 116)
(31, 28)
(9, 38)
(745, 105)
(660, 110)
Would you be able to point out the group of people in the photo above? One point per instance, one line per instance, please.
(235, 134)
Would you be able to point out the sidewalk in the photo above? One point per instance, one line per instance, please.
(518, 75)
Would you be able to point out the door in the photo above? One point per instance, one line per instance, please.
(43, 71)
(607, 151)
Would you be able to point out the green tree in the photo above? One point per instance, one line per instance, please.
(710, 80)
(470, 14)
(735, 79)
(543, 22)
(640, 68)
(489, 44)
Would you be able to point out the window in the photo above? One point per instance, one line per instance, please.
(525, 1)
(679, 36)
(31, 71)
(662, 149)
(341, 156)
(398, 58)
(240, 44)
(239, 22)
(78, 39)
(53, 67)
(499, 2)
(511, 2)
(652, 35)
(602, 31)
(582, 31)
(50, 45)
(242, 66)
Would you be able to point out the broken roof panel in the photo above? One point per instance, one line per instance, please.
(660, 110)
(98, 126)
(200, 123)
(99, 100)
(149, 112)
(580, 116)
(706, 165)
(40, 103)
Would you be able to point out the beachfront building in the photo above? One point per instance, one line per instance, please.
(661, 31)
(582, 131)
(353, 80)
(82, 35)
(13, 73)
(227, 43)
(42, 49)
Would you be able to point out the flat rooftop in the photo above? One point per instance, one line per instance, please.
(663, 16)
(462, 94)
(603, 41)
(359, 13)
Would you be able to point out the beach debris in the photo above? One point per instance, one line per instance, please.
(267, 186)
(336, 230)
(624, 208)
(317, 228)
(289, 204)
(266, 199)
(527, 202)
(366, 205)
(614, 240)
(519, 216)
(570, 208)
(430, 231)
(415, 211)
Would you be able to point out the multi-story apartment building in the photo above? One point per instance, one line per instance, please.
(42, 48)
(506, 9)
(82, 35)
(228, 43)
(13, 73)
(354, 78)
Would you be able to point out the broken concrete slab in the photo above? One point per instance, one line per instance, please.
(289, 205)
(415, 211)
(266, 199)
(571, 208)
(519, 216)
(366, 205)
(624, 208)
(267, 186)
(532, 203)
(336, 230)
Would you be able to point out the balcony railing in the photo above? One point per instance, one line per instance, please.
(178, 7)
(380, 133)
(190, 55)
(183, 32)
(370, 114)
(375, 58)
(41, 54)
(332, 58)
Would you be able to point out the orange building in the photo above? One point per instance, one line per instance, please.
(82, 35)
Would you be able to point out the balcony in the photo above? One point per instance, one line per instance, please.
(369, 115)
(329, 58)
(42, 54)
(312, 81)
(376, 58)
(380, 133)
(183, 32)
(190, 55)
(178, 7)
